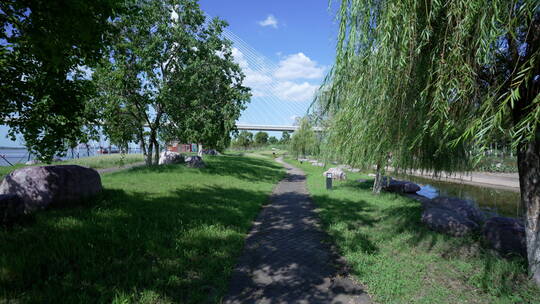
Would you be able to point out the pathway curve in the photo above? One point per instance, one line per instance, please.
(287, 257)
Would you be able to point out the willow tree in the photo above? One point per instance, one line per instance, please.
(423, 82)
(304, 141)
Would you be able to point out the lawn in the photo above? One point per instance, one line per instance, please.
(167, 234)
(400, 260)
(96, 162)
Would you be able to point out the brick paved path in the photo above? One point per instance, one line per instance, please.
(287, 258)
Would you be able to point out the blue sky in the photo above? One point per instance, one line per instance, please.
(297, 39)
(285, 48)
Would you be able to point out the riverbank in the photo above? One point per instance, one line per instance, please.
(95, 162)
(160, 234)
(400, 260)
(503, 181)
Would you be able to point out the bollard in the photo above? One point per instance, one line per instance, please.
(328, 181)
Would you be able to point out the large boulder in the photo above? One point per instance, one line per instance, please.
(195, 162)
(39, 187)
(448, 221)
(11, 209)
(169, 158)
(337, 173)
(462, 207)
(210, 152)
(392, 185)
(506, 235)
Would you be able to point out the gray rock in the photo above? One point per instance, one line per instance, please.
(169, 158)
(463, 207)
(399, 186)
(448, 221)
(336, 173)
(39, 187)
(11, 209)
(195, 162)
(506, 235)
(32, 162)
(210, 152)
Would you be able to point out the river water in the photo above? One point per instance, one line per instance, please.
(21, 155)
(502, 202)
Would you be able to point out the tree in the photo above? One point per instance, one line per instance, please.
(244, 139)
(45, 46)
(170, 74)
(422, 83)
(261, 138)
(273, 140)
(304, 140)
(285, 137)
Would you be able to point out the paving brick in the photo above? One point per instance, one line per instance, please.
(287, 258)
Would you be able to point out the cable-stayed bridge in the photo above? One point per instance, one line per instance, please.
(274, 105)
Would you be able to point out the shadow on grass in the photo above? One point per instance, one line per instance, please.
(499, 276)
(131, 247)
(354, 214)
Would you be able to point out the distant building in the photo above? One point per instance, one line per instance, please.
(177, 147)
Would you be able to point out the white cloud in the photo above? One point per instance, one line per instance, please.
(298, 66)
(256, 80)
(269, 21)
(266, 83)
(239, 58)
(288, 90)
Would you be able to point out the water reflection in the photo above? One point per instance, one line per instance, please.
(502, 202)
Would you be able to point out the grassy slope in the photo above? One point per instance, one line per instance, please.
(157, 235)
(400, 260)
(96, 162)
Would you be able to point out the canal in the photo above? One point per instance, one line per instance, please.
(500, 201)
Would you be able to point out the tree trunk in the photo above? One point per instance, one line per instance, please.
(143, 146)
(148, 155)
(377, 184)
(529, 183)
(199, 150)
(156, 152)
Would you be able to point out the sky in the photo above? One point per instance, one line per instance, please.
(297, 42)
(285, 48)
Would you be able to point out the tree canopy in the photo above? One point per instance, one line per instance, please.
(423, 83)
(170, 73)
(304, 141)
(44, 48)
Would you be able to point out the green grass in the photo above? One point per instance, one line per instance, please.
(96, 162)
(400, 260)
(167, 234)
(106, 161)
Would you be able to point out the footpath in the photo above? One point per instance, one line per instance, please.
(288, 258)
